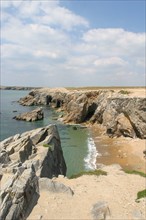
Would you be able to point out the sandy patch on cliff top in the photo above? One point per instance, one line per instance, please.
(132, 92)
(137, 92)
(118, 189)
(50, 90)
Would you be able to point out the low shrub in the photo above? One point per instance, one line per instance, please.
(141, 194)
(135, 172)
(124, 92)
(91, 172)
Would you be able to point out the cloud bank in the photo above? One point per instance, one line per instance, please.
(46, 44)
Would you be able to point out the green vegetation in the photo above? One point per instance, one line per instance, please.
(141, 194)
(51, 147)
(124, 92)
(135, 172)
(92, 172)
(46, 145)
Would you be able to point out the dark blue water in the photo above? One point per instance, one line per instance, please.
(75, 143)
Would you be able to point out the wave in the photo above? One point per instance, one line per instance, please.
(90, 159)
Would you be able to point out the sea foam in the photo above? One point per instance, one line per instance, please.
(90, 159)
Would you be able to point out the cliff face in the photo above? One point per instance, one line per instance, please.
(24, 160)
(119, 113)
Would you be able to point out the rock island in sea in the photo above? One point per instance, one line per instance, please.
(30, 162)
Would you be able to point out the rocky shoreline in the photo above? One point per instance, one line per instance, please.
(118, 112)
(33, 169)
(34, 186)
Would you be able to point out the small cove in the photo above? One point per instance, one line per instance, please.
(78, 146)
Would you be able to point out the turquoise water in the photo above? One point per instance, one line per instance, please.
(75, 143)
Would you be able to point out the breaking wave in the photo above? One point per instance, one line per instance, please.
(90, 159)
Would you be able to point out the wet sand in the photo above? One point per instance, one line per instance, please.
(126, 152)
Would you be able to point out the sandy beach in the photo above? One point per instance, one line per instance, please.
(126, 152)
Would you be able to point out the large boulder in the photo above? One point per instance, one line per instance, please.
(34, 115)
(54, 187)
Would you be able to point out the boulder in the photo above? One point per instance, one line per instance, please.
(54, 187)
(100, 210)
(34, 115)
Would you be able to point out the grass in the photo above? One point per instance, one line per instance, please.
(135, 172)
(46, 145)
(51, 147)
(93, 172)
(124, 92)
(141, 194)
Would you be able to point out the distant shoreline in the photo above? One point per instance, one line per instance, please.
(18, 88)
(72, 88)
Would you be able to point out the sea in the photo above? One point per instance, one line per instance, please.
(78, 147)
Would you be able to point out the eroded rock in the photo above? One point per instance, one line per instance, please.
(23, 160)
(119, 114)
(34, 115)
(19, 196)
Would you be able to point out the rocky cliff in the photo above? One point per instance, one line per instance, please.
(119, 113)
(24, 160)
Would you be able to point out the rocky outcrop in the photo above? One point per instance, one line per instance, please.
(120, 114)
(24, 160)
(19, 195)
(40, 147)
(34, 115)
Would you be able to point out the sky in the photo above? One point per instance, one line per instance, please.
(71, 43)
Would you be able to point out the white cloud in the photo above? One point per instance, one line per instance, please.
(115, 41)
(42, 45)
(64, 18)
(110, 61)
(41, 53)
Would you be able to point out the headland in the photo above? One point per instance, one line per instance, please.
(117, 118)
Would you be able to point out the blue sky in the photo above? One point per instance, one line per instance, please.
(127, 14)
(73, 43)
